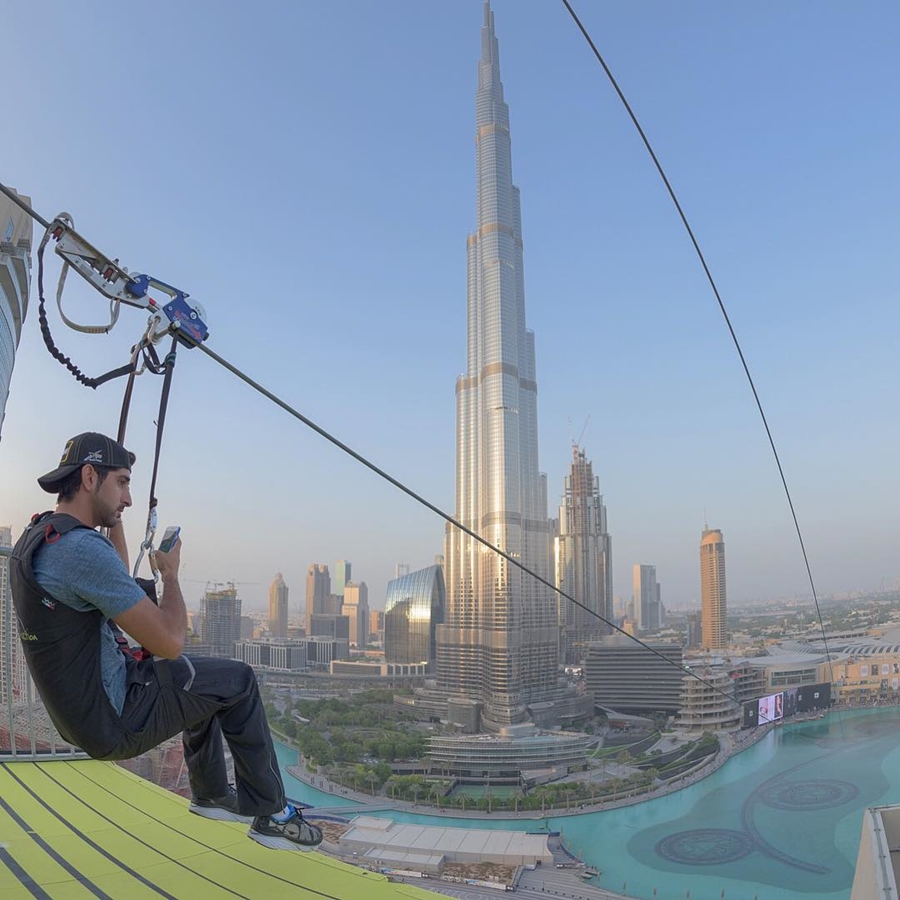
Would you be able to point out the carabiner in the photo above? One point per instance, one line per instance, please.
(147, 546)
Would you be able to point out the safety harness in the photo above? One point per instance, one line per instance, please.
(58, 642)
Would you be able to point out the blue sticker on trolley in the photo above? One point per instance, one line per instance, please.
(178, 310)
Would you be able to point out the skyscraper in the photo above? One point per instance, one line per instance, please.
(712, 589)
(318, 593)
(413, 608)
(15, 281)
(646, 598)
(341, 576)
(583, 558)
(278, 607)
(499, 644)
(356, 609)
(376, 624)
(220, 621)
(12, 659)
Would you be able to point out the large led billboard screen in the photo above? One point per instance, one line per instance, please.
(813, 696)
(771, 708)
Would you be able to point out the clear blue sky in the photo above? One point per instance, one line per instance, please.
(306, 171)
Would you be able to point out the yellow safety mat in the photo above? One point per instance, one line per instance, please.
(81, 829)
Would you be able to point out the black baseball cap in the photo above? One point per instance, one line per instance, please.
(90, 447)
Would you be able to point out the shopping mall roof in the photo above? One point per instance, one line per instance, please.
(78, 828)
(457, 844)
(780, 660)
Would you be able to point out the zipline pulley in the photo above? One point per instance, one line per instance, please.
(178, 316)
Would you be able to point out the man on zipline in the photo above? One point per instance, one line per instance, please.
(68, 581)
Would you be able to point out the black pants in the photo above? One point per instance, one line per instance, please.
(222, 701)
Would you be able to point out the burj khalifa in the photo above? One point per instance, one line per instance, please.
(499, 643)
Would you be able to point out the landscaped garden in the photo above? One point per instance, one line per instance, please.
(360, 743)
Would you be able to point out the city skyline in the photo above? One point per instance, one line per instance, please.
(809, 281)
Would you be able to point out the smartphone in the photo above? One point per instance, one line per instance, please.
(169, 538)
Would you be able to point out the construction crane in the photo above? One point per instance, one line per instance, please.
(216, 585)
(577, 443)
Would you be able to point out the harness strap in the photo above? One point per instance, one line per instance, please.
(147, 544)
(169, 364)
(126, 399)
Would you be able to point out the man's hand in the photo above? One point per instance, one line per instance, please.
(160, 629)
(167, 563)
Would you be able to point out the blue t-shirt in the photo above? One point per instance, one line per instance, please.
(83, 570)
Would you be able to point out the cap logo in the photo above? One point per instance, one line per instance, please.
(95, 456)
(65, 455)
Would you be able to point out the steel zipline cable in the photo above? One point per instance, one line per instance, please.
(725, 316)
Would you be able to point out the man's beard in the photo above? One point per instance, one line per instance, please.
(108, 515)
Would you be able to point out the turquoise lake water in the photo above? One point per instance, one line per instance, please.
(779, 821)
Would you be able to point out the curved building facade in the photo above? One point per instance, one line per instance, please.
(507, 754)
(15, 280)
(412, 611)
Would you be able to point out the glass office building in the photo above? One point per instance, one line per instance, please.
(412, 611)
(15, 280)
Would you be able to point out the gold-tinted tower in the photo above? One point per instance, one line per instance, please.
(712, 589)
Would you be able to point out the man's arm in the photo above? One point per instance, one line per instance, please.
(116, 536)
(161, 629)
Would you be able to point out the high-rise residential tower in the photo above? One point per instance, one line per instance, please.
(712, 589)
(220, 621)
(499, 643)
(15, 281)
(318, 593)
(583, 559)
(278, 607)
